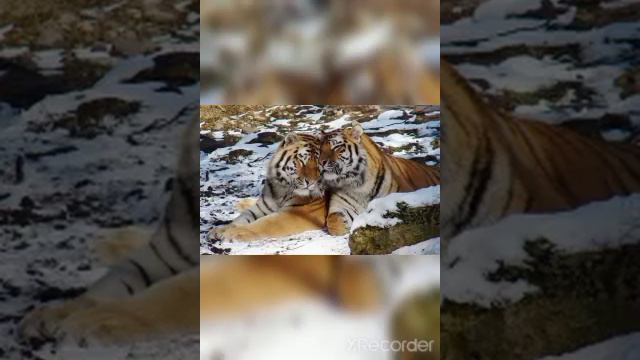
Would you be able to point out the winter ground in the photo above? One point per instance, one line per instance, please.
(574, 67)
(315, 330)
(225, 179)
(88, 142)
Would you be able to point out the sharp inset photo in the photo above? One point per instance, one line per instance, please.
(307, 179)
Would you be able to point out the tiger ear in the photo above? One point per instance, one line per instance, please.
(290, 138)
(356, 131)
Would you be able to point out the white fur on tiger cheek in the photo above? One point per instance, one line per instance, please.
(302, 192)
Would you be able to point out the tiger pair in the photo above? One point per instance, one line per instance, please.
(323, 180)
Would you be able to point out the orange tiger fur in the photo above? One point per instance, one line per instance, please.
(356, 170)
(496, 165)
(292, 200)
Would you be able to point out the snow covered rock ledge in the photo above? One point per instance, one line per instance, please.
(544, 284)
(395, 221)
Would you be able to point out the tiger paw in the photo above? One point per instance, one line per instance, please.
(336, 224)
(105, 324)
(44, 323)
(236, 232)
(216, 232)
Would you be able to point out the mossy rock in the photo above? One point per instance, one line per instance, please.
(235, 156)
(418, 318)
(92, 118)
(173, 69)
(208, 144)
(267, 138)
(417, 224)
(629, 82)
(583, 298)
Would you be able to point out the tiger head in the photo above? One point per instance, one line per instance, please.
(295, 165)
(343, 157)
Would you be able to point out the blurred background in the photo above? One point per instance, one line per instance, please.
(319, 307)
(320, 51)
(94, 95)
(557, 285)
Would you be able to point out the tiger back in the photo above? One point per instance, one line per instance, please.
(356, 171)
(497, 165)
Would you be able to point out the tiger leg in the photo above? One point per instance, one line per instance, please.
(119, 244)
(288, 221)
(252, 210)
(337, 224)
(169, 306)
(343, 209)
(247, 283)
(245, 203)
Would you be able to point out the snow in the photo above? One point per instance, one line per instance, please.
(49, 61)
(626, 347)
(362, 45)
(430, 52)
(338, 123)
(428, 247)
(378, 208)
(321, 333)
(98, 185)
(616, 135)
(312, 329)
(602, 54)
(4, 30)
(478, 252)
(224, 184)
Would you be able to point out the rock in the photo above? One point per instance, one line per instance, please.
(174, 69)
(583, 298)
(208, 144)
(234, 156)
(50, 35)
(22, 85)
(90, 118)
(418, 318)
(418, 224)
(629, 82)
(267, 138)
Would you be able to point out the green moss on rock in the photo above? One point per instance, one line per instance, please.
(417, 224)
(583, 298)
(235, 156)
(418, 318)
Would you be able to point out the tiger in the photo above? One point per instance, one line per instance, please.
(154, 273)
(140, 292)
(496, 165)
(292, 198)
(355, 170)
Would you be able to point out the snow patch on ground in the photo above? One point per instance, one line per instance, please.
(478, 252)
(309, 329)
(593, 57)
(625, 347)
(429, 247)
(378, 208)
(73, 190)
